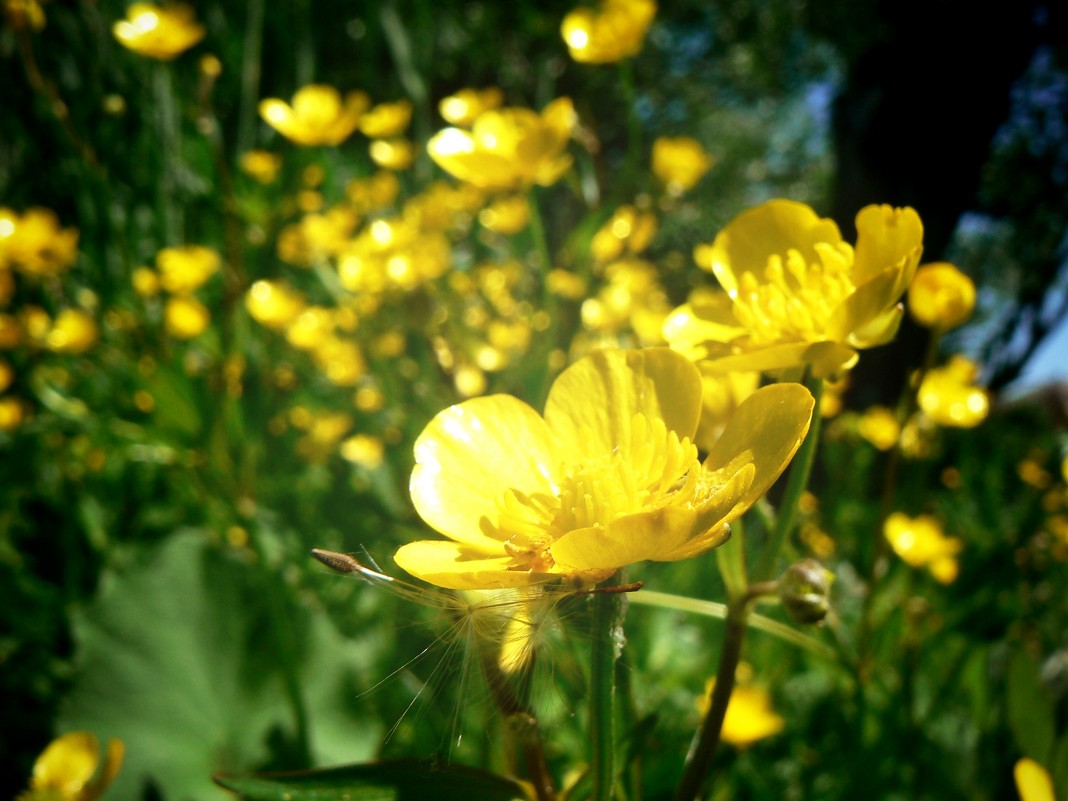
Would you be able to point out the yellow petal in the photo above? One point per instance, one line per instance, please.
(887, 237)
(770, 425)
(467, 458)
(458, 567)
(592, 404)
(775, 227)
(67, 764)
(1033, 781)
(773, 357)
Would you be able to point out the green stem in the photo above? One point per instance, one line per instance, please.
(251, 65)
(541, 247)
(634, 125)
(170, 137)
(795, 485)
(608, 609)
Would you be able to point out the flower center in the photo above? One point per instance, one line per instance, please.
(796, 299)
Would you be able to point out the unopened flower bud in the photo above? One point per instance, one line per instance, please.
(805, 591)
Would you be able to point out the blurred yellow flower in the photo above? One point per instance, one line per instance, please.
(1033, 781)
(363, 450)
(880, 427)
(949, 397)
(464, 107)
(73, 332)
(24, 13)
(145, 282)
(506, 215)
(615, 31)
(799, 294)
(920, 542)
(261, 165)
(508, 148)
(749, 717)
(7, 375)
(34, 243)
(273, 304)
(69, 769)
(160, 32)
(318, 116)
(316, 236)
(392, 254)
(185, 317)
(10, 413)
(632, 298)
(941, 296)
(10, 332)
(608, 477)
(392, 154)
(626, 230)
(386, 120)
(184, 269)
(679, 162)
(373, 193)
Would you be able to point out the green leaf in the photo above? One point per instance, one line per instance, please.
(177, 659)
(1030, 709)
(398, 780)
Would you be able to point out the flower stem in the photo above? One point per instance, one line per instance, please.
(795, 484)
(170, 137)
(608, 610)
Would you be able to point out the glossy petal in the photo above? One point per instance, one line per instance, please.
(887, 236)
(470, 455)
(774, 227)
(459, 567)
(591, 404)
(1033, 781)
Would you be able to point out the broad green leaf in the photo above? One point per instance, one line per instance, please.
(399, 780)
(178, 659)
(1030, 709)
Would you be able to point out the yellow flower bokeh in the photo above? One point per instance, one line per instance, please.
(160, 32)
(941, 296)
(679, 162)
(921, 543)
(317, 116)
(614, 31)
(949, 397)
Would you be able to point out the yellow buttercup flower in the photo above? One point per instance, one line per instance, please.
(799, 294)
(626, 230)
(363, 450)
(318, 116)
(880, 427)
(160, 32)
(614, 31)
(261, 165)
(679, 162)
(185, 317)
(948, 394)
(941, 296)
(186, 268)
(1033, 781)
(509, 148)
(506, 215)
(749, 717)
(920, 542)
(608, 477)
(386, 120)
(34, 243)
(273, 304)
(10, 413)
(69, 769)
(24, 14)
(73, 332)
(392, 154)
(464, 107)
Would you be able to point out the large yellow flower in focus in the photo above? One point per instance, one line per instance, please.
(799, 294)
(508, 148)
(608, 477)
(160, 32)
(615, 31)
(67, 770)
(318, 116)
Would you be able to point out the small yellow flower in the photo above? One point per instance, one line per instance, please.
(464, 107)
(749, 717)
(920, 542)
(679, 162)
(273, 304)
(941, 296)
(615, 31)
(186, 268)
(799, 294)
(261, 165)
(1033, 781)
(34, 243)
(509, 148)
(626, 230)
(73, 332)
(317, 117)
(506, 215)
(363, 450)
(10, 413)
(145, 282)
(69, 769)
(608, 477)
(386, 120)
(185, 317)
(880, 427)
(24, 13)
(392, 154)
(949, 397)
(160, 32)
(7, 375)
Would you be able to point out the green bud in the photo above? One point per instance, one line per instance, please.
(805, 591)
